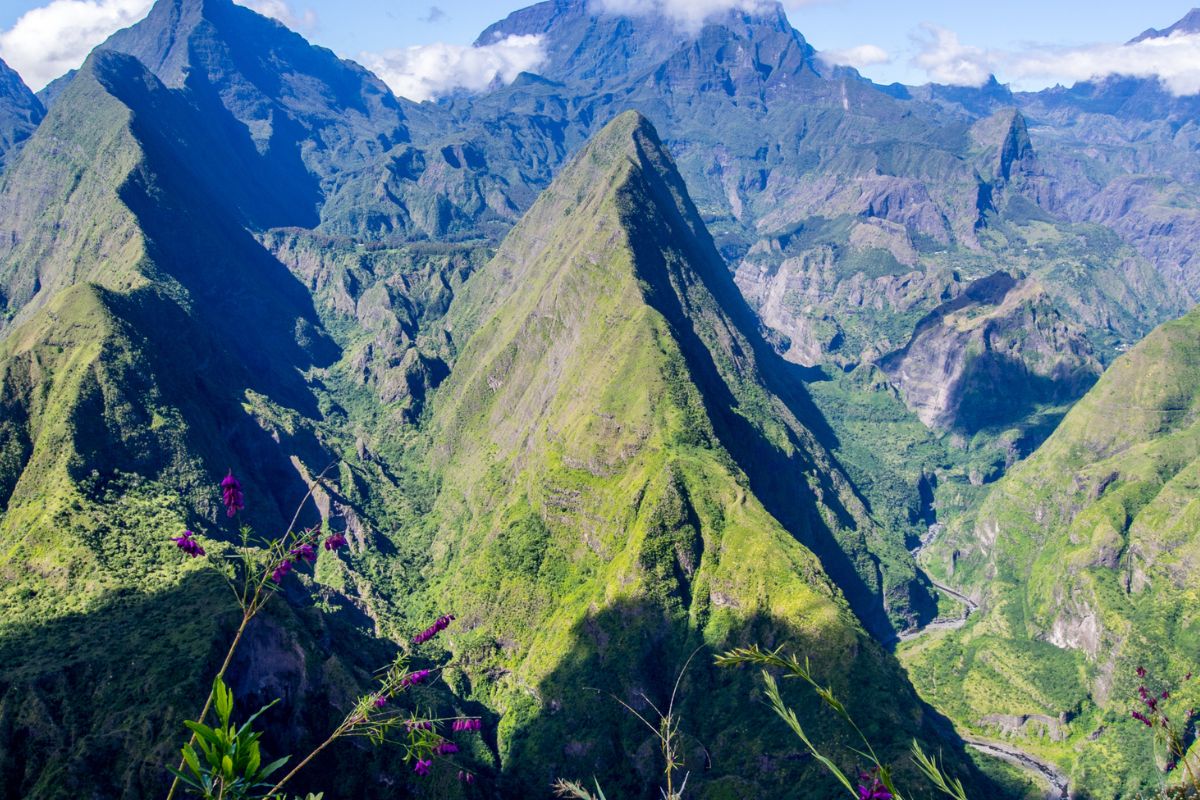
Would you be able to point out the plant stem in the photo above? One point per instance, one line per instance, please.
(246, 617)
(332, 738)
(249, 610)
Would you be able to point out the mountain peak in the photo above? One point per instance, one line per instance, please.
(586, 42)
(1190, 23)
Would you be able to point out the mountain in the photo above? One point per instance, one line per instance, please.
(328, 136)
(852, 215)
(1190, 23)
(20, 112)
(154, 344)
(1083, 560)
(564, 410)
(830, 195)
(628, 473)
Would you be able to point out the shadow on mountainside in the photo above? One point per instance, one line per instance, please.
(92, 704)
(791, 485)
(733, 744)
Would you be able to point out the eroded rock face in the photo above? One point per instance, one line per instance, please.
(998, 348)
(1027, 725)
(838, 316)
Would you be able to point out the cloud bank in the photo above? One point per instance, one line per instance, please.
(1174, 60)
(280, 10)
(689, 14)
(425, 72)
(864, 55)
(49, 40)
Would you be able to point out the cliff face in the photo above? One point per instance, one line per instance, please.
(20, 113)
(975, 361)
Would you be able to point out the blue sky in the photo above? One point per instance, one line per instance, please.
(912, 41)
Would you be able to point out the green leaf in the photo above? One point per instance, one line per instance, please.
(204, 732)
(254, 761)
(185, 779)
(269, 768)
(255, 716)
(224, 698)
(227, 766)
(787, 715)
(190, 758)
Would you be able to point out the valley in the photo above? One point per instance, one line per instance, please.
(690, 340)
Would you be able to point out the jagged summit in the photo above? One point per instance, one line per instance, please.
(587, 43)
(1190, 23)
(617, 450)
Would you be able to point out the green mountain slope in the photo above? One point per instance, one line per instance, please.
(154, 344)
(1084, 560)
(602, 442)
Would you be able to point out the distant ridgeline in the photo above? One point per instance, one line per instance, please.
(607, 397)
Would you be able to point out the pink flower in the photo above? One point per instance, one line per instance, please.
(422, 767)
(433, 630)
(231, 495)
(188, 545)
(282, 570)
(304, 552)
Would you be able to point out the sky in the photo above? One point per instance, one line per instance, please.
(422, 49)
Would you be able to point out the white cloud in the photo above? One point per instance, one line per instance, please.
(945, 59)
(689, 14)
(49, 40)
(428, 71)
(280, 10)
(863, 55)
(1174, 59)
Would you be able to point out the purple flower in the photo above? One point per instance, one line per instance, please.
(231, 495)
(422, 767)
(414, 678)
(872, 788)
(1141, 672)
(418, 725)
(283, 569)
(304, 552)
(446, 749)
(433, 630)
(1166, 694)
(381, 701)
(1142, 718)
(188, 545)
(466, 777)
(466, 725)
(336, 541)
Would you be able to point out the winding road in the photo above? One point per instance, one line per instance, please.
(1058, 785)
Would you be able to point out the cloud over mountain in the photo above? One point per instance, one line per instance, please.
(863, 55)
(690, 14)
(49, 40)
(1174, 59)
(427, 71)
